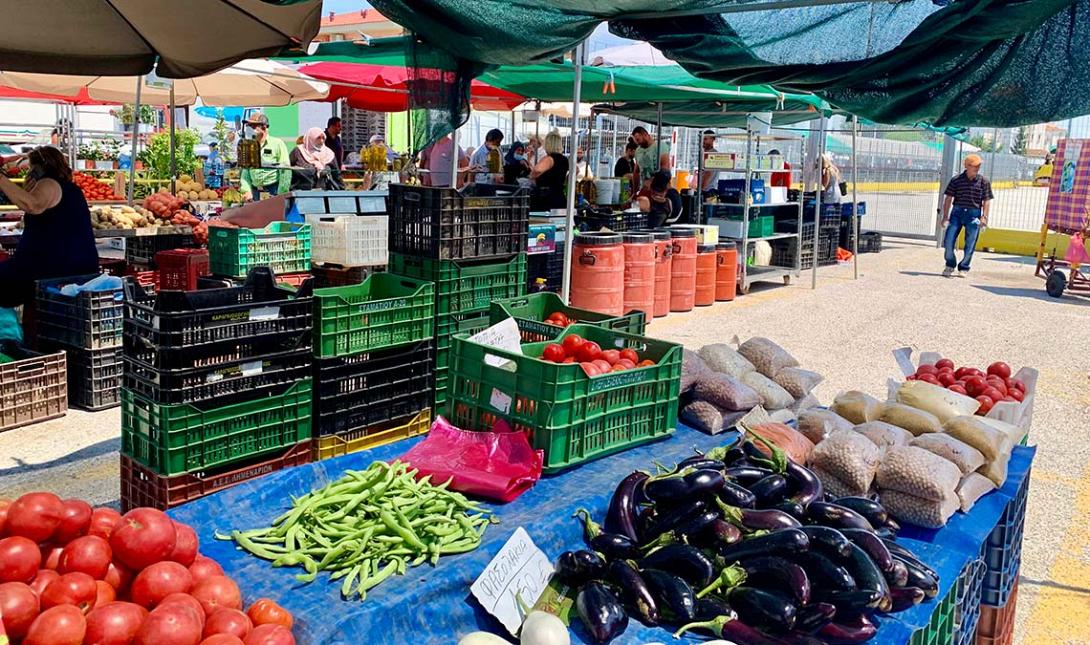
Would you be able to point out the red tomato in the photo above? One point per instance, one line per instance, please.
(956, 387)
(947, 370)
(143, 537)
(5, 503)
(946, 378)
(42, 580)
(118, 576)
(554, 353)
(89, 554)
(630, 354)
(114, 623)
(1016, 394)
(51, 556)
(646, 362)
(170, 625)
(993, 394)
(588, 351)
(910, 377)
(104, 593)
(602, 365)
(76, 589)
(187, 601)
(35, 516)
(19, 559)
(265, 611)
(61, 625)
(572, 343)
(203, 568)
(975, 385)
(611, 356)
(963, 372)
(217, 591)
(926, 369)
(18, 608)
(270, 635)
(627, 363)
(75, 519)
(228, 621)
(1000, 369)
(997, 383)
(590, 369)
(103, 522)
(569, 359)
(158, 581)
(928, 377)
(944, 362)
(185, 544)
(1019, 384)
(618, 368)
(222, 639)
(986, 403)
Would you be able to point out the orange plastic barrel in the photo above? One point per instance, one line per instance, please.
(597, 273)
(726, 272)
(639, 273)
(664, 251)
(705, 275)
(683, 269)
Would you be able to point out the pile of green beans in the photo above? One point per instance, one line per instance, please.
(368, 526)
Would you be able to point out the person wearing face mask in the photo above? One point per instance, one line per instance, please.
(57, 238)
(515, 164)
(267, 179)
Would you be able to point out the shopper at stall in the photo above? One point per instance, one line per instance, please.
(550, 176)
(625, 167)
(648, 162)
(213, 167)
(479, 161)
(580, 163)
(830, 180)
(708, 178)
(268, 179)
(57, 238)
(515, 164)
(661, 202)
(333, 140)
(436, 159)
(535, 150)
(970, 195)
(781, 179)
(314, 164)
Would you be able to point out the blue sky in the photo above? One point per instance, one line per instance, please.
(342, 5)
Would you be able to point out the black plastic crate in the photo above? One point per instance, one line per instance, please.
(549, 266)
(183, 329)
(870, 242)
(88, 320)
(141, 249)
(352, 392)
(94, 378)
(827, 241)
(331, 275)
(785, 251)
(217, 384)
(847, 233)
(447, 224)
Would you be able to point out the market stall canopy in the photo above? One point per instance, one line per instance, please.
(981, 62)
(639, 53)
(133, 37)
(82, 98)
(726, 113)
(252, 82)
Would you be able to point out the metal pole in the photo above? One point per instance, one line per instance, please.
(569, 231)
(173, 159)
(613, 149)
(658, 138)
(991, 157)
(950, 160)
(455, 155)
(855, 201)
(817, 203)
(590, 142)
(700, 172)
(135, 140)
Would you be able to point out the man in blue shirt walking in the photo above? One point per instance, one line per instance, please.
(970, 195)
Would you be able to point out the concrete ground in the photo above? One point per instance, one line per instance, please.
(844, 330)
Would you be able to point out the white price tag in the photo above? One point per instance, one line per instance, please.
(252, 368)
(520, 570)
(500, 401)
(264, 313)
(503, 335)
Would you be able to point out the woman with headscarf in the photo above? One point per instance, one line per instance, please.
(515, 164)
(314, 165)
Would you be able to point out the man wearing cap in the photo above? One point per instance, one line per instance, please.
(970, 195)
(266, 179)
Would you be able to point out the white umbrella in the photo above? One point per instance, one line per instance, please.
(641, 53)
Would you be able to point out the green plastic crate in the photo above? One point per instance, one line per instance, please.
(531, 310)
(282, 246)
(465, 287)
(940, 630)
(759, 226)
(385, 310)
(572, 417)
(173, 439)
(447, 326)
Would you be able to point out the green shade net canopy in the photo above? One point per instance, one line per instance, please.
(713, 114)
(944, 62)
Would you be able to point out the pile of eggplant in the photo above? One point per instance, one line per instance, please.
(743, 545)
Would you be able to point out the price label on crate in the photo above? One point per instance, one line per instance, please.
(518, 574)
(264, 313)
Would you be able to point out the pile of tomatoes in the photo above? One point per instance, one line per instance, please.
(988, 387)
(70, 574)
(93, 189)
(560, 319)
(594, 360)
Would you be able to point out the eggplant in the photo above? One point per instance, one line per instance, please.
(891, 524)
(804, 484)
(874, 512)
(685, 484)
(825, 575)
(813, 617)
(837, 517)
(777, 574)
(645, 518)
(575, 567)
(667, 521)
(729, 628)
(601, 612)
(634, 592)
(763, 609)
(897, 576)
(769, 490)
(917, 577)
(720, 533)
(701, 462)
(746, 475)
(905, 597)
(781, 542)
(757, 520)
(614, 546)
(736, 495)
(827, 541)
(868, 576)
(794, 509)
(682, 560)
(674, 597)
(849, 603)
(753, 451)
(839, 634)
(621, 515)
(734, 456)
(872, 546)
(908, 557)
(695, 525)
(885, 533)
(709, 608)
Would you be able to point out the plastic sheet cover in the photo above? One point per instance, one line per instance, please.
(434, 605)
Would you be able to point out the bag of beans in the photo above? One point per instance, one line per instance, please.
(884, 435)
(692, 367)
(725, 392)
(972, 487)
(962, 455)
(835, 487)
(817, 424)
(993, 443)
(849, 457)
(928, 513)
(915, 421)
(917, 472)
(858, 407)
(765, 355)
(786, 417)
(703, 416)
(721, 357)
(773, 397)
(797, 381)
(807, 402)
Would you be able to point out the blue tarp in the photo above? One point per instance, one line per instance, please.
(434, 605)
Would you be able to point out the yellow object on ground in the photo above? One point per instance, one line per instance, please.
(1018, 242)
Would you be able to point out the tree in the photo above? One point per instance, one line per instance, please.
(1018, 147)
(985, 145)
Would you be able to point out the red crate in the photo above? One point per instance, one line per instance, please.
(147, 278)
(141, 486)
(180, 268)
(292, 279)
(996, 625)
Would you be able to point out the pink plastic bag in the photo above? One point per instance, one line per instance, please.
(1076, 250)
(498, 465)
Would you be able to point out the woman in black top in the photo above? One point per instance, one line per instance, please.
(551, 176)
(57, 238)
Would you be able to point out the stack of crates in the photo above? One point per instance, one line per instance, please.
(33, 386)
(142, 254)
(1002, 556)
(471, 244)
(548, 267)
(283, 247)
(87, 327)
(217, 387)
(374, 349)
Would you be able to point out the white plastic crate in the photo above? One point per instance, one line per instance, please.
(349, 240)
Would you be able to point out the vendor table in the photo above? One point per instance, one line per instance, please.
(434, 605)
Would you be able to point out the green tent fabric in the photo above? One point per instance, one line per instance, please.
(972, 62)
(724, 113)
